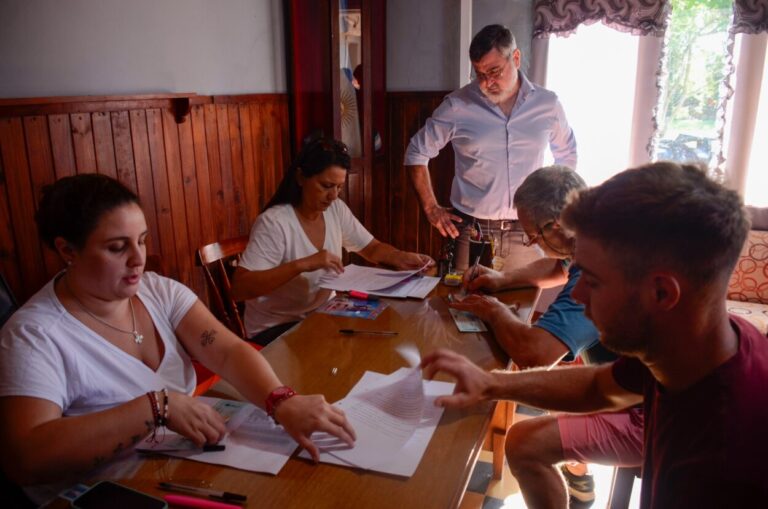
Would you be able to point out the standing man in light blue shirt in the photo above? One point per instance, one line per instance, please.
(499, 125)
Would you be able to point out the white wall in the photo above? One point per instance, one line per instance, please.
(88, 47)
(422, 44)
(423, 38)
(517, 15)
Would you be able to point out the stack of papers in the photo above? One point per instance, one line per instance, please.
(254, 442)
(394, 417)
(380, 282)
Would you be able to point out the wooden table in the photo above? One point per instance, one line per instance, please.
(305, 358)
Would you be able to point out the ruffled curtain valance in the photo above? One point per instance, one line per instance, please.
(638, 17)
(750, 16)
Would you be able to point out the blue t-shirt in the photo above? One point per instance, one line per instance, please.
(565, 319)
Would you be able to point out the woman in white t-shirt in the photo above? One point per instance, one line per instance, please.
(299, 237)
(100, 356)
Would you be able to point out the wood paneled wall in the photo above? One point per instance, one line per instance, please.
(407, 226)
(200, 180)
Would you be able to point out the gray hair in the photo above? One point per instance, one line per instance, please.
(544, 192)
(490, 37)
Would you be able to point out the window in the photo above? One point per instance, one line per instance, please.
(696, 53)
(756, 192)
(606, 80)
(598, 104)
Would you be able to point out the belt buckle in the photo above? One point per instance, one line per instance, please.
(506, 224)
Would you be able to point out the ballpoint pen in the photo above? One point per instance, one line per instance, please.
(355, 331)
(201, 503)
(207, 492)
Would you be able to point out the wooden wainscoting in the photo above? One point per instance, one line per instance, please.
(407, 226)
(200, 180)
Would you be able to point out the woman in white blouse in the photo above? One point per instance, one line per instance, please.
(299, 237)
(100, 356)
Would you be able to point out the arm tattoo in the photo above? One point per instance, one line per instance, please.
(207, 337)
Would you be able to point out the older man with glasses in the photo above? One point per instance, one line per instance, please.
(563, 329)
(499, 126)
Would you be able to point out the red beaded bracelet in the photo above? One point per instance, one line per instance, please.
(276, 397)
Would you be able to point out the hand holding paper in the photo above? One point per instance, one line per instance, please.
(473, 384)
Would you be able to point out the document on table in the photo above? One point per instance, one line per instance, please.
(466, 321)
(381, 282)
(394, 417)
(254, 442)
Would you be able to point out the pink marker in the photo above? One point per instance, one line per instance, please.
(185, 501)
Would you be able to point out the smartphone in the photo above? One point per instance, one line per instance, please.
(116, 496)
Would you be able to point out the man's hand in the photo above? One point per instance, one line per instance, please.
(480, 276)
(482, 306)
(473, 385)
(442, 219)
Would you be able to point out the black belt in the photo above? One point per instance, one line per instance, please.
(493, 224)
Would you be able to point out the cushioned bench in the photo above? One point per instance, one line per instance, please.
(748, 287)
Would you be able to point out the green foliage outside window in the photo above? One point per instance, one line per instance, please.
(696, 65)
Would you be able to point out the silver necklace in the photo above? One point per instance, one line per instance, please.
(137, 337)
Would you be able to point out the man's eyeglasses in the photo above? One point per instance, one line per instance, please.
(494, 74)
(529, 240)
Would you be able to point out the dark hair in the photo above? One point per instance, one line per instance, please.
(317, 155)
(71, 207)
(665, 215)
(543, 193)
(490, 37)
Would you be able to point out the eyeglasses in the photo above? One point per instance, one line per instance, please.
(494, 75)
(529, 240)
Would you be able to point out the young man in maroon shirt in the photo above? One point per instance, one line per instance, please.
(656, 246)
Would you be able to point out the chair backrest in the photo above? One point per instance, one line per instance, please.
(8, 303)
(219, 260)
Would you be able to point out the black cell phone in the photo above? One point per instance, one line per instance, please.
(116, 496)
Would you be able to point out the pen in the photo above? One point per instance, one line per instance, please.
(185, 501)
(475, 267)
(354, 331)
(355, 294)
(221, 495)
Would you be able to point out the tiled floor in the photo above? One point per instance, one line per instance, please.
(485, 493)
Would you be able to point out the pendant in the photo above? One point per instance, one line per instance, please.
(137, 338)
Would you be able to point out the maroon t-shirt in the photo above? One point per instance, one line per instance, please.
(706, 446)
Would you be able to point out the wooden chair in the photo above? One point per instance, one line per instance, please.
(219, 260)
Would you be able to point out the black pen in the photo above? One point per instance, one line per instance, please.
(219, 495)
(354, 331)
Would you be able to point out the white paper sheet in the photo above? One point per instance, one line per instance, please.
(365, 279)
(253, 443)
(416, 286)
(404, 461)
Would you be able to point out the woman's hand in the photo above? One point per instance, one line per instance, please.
(405, 260)
(323, 260)
(303, 415)
(193, 419)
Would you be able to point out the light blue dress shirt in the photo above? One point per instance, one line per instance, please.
(494, 153)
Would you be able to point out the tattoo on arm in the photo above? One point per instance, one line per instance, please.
(207, 337)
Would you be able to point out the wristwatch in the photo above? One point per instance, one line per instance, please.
(276, 397)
